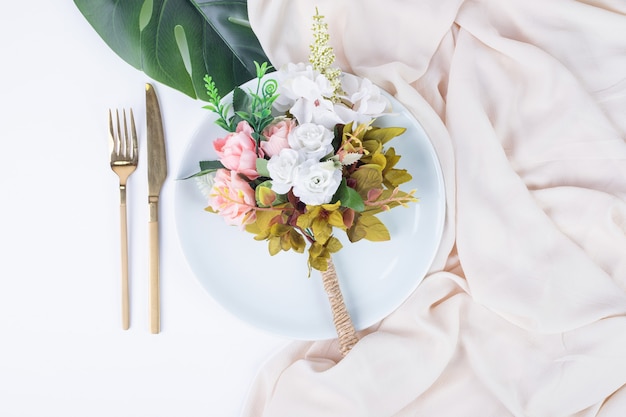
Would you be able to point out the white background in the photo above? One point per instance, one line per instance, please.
(62, 349)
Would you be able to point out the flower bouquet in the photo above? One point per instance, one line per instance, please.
(302, 158)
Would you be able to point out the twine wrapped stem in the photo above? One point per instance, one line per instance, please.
(341, 317)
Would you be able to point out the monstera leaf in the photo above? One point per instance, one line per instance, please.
(178, 42)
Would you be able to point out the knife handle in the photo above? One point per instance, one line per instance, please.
(155, 307)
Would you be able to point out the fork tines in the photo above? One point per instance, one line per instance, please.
(124, 146)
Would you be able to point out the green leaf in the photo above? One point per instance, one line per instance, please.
(349, 197)
(178, 42)
(243, 115)
(199, 174)
(210, 165)
(206, 167)
(338, 132)
(229, 19)
(241, 100)
(261, 167)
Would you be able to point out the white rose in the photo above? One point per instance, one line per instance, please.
(282, 168)
(316, 182)
(311, 141)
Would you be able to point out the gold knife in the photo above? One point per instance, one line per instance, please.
(157, 171)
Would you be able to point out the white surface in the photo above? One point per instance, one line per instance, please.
(273, 292)
(62, 350)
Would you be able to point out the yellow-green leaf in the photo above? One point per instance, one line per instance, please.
(356, 232)
(395, 177)
(392, 158)
(378, 159)
(319, 263)
(316, 249)
(375, 230)
(384, 134)
(334, 245)
(372, 147)
(274, 245)
(321, 230)
(262, 224)
(297, 241)
(367, 177)
(285, 242)
(336, 219)
(265, 197)
(331, 206)
(279, 229)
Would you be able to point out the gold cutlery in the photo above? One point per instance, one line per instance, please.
(157, 171)
(123, 163)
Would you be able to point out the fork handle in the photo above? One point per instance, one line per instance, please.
(155, 307)
(124, 259)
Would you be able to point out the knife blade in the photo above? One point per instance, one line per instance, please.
(157, 172)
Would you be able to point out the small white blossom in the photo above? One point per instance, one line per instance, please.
(305, 93)
(320, 111)
(368, 101)
(296, 81)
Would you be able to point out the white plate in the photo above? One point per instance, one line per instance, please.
(273, 292)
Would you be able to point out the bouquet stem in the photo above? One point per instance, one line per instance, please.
(341, 317)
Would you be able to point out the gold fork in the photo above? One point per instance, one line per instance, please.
(123, 163)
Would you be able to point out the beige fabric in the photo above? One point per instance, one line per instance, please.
(524, 311)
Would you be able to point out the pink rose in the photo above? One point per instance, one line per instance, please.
(237, 151)
(232, 198)
(276, 135)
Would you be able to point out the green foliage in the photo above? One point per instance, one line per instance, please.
(206, 167)
(257, 108)
(348, 197)
(178, 42)
(217, 106)
(261, 167)
(254, 107)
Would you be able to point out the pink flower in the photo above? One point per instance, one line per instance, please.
(232, 198)
(276, 135)
(237, 151)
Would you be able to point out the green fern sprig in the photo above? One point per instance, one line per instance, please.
(217, 106)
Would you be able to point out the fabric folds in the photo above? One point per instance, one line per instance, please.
(524, 310)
